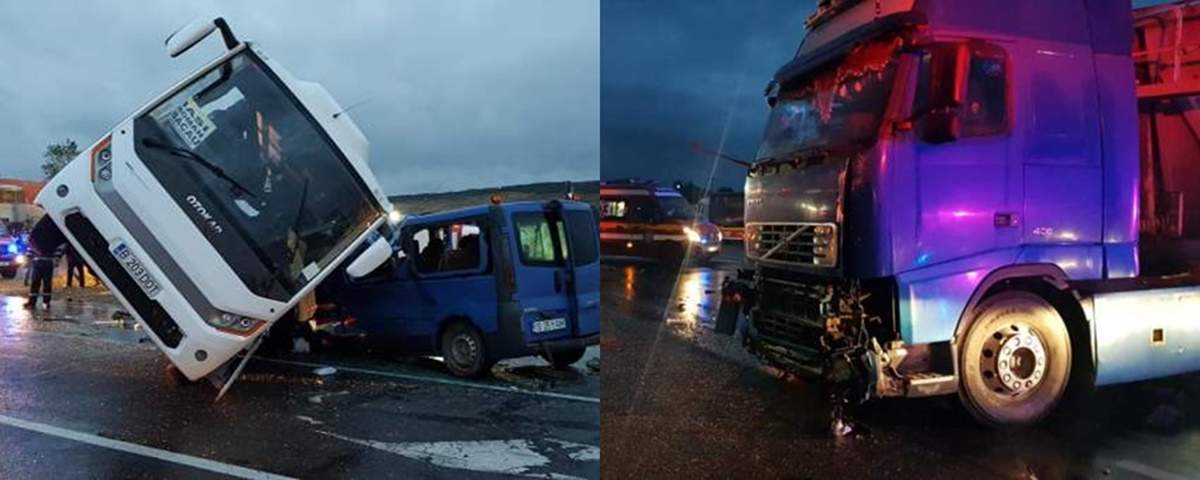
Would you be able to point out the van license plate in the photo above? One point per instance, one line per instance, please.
(134, 266)
(549, 325)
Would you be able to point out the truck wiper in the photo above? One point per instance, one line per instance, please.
(807, 155)
(195, 157)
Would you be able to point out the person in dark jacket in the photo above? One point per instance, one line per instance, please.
(44, 241)
(75, 267)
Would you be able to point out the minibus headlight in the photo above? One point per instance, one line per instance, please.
(235, 323)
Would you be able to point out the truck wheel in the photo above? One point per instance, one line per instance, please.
(1015, 361)
(463, 350)
(562, 358)
(9, 273)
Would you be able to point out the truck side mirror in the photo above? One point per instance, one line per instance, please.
(947, 70)
(375, 255)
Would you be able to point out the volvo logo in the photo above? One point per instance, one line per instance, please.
(202, 211)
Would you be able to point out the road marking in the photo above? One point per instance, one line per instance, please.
(508, 457)
(444, 381)
(1147, 471)
(405, 376)
(164, 455)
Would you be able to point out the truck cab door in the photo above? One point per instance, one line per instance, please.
(960, 149)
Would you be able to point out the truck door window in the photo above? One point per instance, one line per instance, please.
(984, 109)
(448, 248)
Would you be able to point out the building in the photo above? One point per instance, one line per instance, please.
(16, 201)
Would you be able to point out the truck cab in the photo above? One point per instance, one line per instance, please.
(482, 284)
(946, 199)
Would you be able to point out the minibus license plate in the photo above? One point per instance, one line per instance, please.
(549, 325)
(134, 266)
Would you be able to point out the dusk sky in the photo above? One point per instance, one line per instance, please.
(671, 71)
(455, 95)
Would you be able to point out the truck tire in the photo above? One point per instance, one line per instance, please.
(9, 273)
(1015, 362)
(463, 350)
(562, 358)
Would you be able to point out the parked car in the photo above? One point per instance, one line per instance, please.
(13, 253)
(480, 284)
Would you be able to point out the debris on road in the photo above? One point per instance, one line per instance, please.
(325, 371)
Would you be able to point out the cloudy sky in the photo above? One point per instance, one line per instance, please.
(471, 93)
(673, 72)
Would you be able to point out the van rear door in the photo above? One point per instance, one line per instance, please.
(547, 278)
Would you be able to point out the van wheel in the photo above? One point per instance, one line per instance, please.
(562, 358)
(1016, 360)
(463, 350)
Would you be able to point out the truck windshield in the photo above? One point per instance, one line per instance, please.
(256, 175)
(840, 105)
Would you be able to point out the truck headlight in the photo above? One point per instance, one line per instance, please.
(21, 259)
(236, 324)
(691, 234)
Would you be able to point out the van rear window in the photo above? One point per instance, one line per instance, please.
(537, 242)
(538, 238)
(583, 236)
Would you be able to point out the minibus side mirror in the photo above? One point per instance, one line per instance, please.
(189, 35)
(376, 254)
(947, 72)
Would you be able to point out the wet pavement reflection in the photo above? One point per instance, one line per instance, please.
(84, 367)
(679, 399)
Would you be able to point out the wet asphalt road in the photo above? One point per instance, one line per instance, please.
(681, 401)
(78, 391)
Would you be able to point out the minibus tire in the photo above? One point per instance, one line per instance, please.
(463, 350)
(1015, 361)
(562, 358)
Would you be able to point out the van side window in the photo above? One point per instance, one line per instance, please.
(448, 248)
(631, 208)
(538, 242)
(613, 208)
(984, 110)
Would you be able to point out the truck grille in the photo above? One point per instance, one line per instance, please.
(159, 321)
(789, 316)
(811, 244)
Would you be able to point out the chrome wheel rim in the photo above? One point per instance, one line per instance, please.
(1013, 360)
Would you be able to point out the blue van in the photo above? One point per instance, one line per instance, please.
(482, 284)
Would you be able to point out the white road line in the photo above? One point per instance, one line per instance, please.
(1147, 471)
(164, 455)
(444, 381)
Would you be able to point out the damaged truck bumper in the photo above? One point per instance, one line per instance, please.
(843, 334)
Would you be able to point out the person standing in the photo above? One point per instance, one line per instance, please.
(44, 241)
(75, 267)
